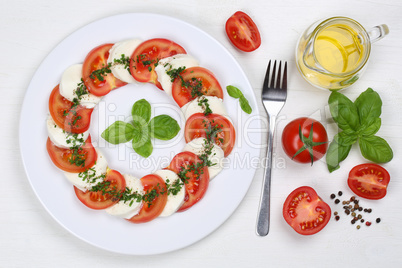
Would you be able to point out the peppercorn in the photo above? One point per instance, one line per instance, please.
(352, 198)
(340, 193)
(336, 213)
(378, 220)
(368, 223)
(356, 206)
(356, 201)
(347, 212)
(362, 220)
(337, 201)
(332, 196)
(359, 216)
(353, 214)
(353, 221)
(369, 210)
(358, 227)
(360, 208)
(337, 218)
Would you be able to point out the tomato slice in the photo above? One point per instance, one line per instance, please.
(195, 82)
(198, 125)
(369, 181)
(72, 119)
(147, 55)
(305, 211)
(108, 197)
(82, 158)
(243, 32)
(197, 180)
(95, 60)
(152, 210)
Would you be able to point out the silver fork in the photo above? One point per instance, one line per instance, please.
(273, 97)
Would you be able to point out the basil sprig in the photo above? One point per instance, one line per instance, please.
(236, 93)
(359, 121)
(141, 129)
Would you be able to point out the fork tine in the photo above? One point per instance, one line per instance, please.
(278, 77)
(285, 77)
(273, 76)
(266, 80)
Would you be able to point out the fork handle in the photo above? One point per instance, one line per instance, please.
(263, 211)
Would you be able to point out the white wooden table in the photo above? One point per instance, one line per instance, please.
(31, 238)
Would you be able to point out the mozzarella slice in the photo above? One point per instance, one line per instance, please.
(193, 107)
(68, 85)
(62, 138)
(94, 174)
(174, 202)
(170, 63)
(216, 157)
(127, 209)
(127, 48)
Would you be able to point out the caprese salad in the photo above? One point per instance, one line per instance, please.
(209, 132)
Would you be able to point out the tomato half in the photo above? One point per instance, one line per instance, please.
(147, 55)
(369, 181)
(82, 158)
(74, 120)
(199, 125)
(103, 200)
(95, 60)
(196, 81)
(309, 147)
(305, 211)
(155, 207)
(197, 180)
(243, 32)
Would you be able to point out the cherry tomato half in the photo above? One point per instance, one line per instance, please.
(243, 32)
(154, 208)
(198, 126)
(72, 119)
(369, 181)
(96, 60)
(148, 54)
(305, 211)
(71, 160)
(309, 145)
(103, 199)
(197, 180)
(197, 81)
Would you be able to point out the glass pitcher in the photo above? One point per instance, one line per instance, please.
(333, 53)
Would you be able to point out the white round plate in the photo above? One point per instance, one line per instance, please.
(96, 227)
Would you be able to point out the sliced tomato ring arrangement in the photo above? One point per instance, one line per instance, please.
(369, 181)
(243, 32)
(305, 211)
(113, 184)
(154, 186)
(189, 165)
(147, 55)
(72, 160)
(72, 118)
(195, 82)
(95, 60)
(218, 127)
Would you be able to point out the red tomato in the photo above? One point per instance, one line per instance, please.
(81, 159)
(74, 120)
(309, 147)
(95, 60)
(197, 81)
(147, 55)
(369, 181)
(106, 198)
(198, 124)
(305, 211)
(197, 180)
(150, 211)
(242, 32)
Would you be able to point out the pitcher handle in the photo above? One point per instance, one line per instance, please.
(378, 32)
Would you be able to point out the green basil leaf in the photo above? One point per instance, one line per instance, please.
(234, 92)
(163, 127)
(118, 132)
(346, 137)
(343, 111)
(371, 129)
(368, 106)
(336, 153)
(375, 149)
(245, 106)
(141, 110)
(144, 146)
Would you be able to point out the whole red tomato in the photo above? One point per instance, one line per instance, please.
(305, 140)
